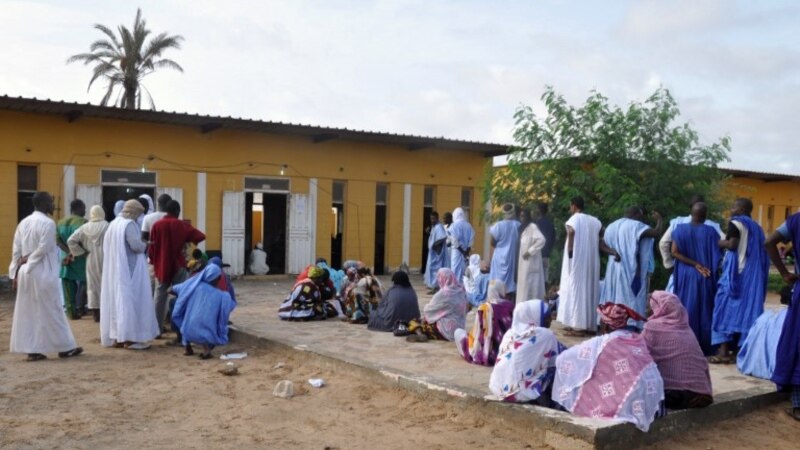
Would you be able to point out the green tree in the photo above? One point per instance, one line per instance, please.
(125, 60)
(613, 157)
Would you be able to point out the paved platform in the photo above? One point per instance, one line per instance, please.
(436, 368)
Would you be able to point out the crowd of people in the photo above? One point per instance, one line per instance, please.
(130, 274)
(646, 350)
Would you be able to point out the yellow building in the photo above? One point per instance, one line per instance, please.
(305, 191)
(775, 196)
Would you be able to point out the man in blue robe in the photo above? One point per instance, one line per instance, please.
(665, 244)
(505, 240)
(625, 282)
(697, 254)
(202, 311)
(461, 237)
(742, 287)
(787, 360)
(436, 252)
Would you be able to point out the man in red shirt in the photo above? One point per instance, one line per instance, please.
(167, 238)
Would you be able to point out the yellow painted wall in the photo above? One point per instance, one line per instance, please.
(8, 204)
(782, 196)
(177, 154)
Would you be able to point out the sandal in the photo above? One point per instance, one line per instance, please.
(137, 346)
(794, 413)
(189, 351)
(416, 338)
(206, 355)
(74, 352)
(35, 357)
(716, 359)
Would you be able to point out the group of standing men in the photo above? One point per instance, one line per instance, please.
(521, 249)
(104, 263)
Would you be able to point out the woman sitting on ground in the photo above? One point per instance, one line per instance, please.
(363, 298)
(473, 269)
(445, 313)
(759, 352)
(492, 320)
(526, 364)
(674, 348)
(399, 304)
(305, 301)
(202, 310)
(611, 376)
(481, 288)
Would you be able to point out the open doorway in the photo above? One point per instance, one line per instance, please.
(337, 231)
(381, 194)
(112, 194)
(265, 222)
(427, 209)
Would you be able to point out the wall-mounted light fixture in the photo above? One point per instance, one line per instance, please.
(283, 169)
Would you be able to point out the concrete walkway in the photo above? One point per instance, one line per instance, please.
(437, 367)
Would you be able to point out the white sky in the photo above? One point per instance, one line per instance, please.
(455, 68)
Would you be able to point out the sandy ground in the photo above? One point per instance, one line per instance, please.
(114, 398)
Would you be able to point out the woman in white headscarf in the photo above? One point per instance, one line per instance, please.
(526, 364)
(89, 239)
(492, 320)
(472, 272)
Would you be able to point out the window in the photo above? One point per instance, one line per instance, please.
(27, 184)
(381, 193)
(338, 192)
(466, 202)
(261, 184)
(430, 193)
(125, 178)
(770, 218)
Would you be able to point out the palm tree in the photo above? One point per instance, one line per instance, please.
(125, 61)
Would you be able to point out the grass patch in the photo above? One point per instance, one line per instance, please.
(774, 283)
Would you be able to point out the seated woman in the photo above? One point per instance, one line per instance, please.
(759, 351)
(363, 298)
(492, 320)
(473, 269)
(611, 376)
(399, 304)
(202, 310)
(336, 276)
(526, 364)
(674, 348)
(481, 288)
(445, 313)
(305, 301)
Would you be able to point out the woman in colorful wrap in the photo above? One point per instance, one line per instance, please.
(526, 363)
(611, 376)
(363, 298)
(492, 320)
(305, 301)
(444, 314)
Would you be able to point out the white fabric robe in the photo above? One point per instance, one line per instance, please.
(89, 239)
(579, 292)
(126, 300)
(530, 273)
(39, 324)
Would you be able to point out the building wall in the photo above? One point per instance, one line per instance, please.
(177, 154)
(772, 200)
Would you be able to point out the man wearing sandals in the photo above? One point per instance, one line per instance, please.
(40, 325)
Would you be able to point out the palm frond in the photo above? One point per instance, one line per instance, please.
(167, 64)
(107, 31)
(100, 70)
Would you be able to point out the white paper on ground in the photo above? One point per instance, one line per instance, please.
(233, 356)
(316, 382)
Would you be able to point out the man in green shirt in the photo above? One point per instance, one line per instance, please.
(73, 269)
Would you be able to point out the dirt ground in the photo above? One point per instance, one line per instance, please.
(115, 398)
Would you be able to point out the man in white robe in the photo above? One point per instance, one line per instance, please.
(127, 316)
(258, 260)
(579, 291)
(665, 244)
(89, 239)
(530, 272)
(625, 282)
(39, 325)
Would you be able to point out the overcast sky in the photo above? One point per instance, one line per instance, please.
(457, 69)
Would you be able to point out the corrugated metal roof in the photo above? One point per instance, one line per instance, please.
(206, 123)
(758, 175)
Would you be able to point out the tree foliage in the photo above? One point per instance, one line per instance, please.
(123, 61)
(613, 157)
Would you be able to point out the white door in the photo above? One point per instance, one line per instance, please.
(301, 252)
(233, 225)
(91, 194)
(175, 193)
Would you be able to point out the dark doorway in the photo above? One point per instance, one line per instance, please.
(272, 207)
(337, 231)
(112, 194)
(381, 192)
(427, 201)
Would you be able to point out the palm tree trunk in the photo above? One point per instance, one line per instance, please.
(130, 97)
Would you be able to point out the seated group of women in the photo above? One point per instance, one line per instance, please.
(623, 375)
